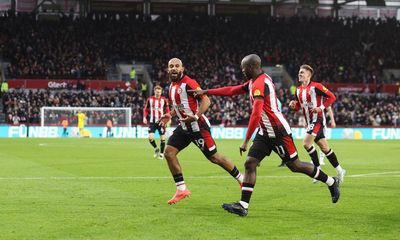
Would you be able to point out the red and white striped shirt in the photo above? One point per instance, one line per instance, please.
(272, 122)
(311, 96)
(185, 103)
(155, 108)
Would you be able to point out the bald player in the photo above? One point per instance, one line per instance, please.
(274, 133)
(193, 127)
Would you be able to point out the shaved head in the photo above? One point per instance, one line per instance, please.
(252, 59)
(251, 66)
(175, 61)
(175, 69)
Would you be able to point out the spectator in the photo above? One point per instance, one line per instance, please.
(83, 48)
(350, 108)
(143, 88)
(4, 87)
(132, 76)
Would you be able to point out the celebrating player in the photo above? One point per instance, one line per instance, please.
(274, 133)
(313, 98)
(194, 127)
(156, 105)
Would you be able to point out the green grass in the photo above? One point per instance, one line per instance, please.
(89, 189)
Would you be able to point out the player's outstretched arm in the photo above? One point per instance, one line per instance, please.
(223, 91)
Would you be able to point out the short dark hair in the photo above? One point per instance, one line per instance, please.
(308, 67)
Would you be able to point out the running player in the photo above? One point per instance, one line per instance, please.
(194, 128)
(155, 107)
(313, 98)
(274, 133)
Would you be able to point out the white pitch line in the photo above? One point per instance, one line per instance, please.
(375, 174)
(392, 174)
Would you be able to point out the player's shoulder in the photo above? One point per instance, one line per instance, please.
(188, 79)
(192, 83)
(267, 77)
(319, 86)
(262, 79)
(316, 84)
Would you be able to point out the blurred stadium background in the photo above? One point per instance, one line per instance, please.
(81, 53)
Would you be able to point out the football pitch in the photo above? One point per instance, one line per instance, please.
(115, 189)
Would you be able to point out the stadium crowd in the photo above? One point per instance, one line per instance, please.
(350, 108)
(211, 49)
(21, 106)
(85, 47)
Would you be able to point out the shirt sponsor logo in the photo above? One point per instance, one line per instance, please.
(257, 92)
(57, 85)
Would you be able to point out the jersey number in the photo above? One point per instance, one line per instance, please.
(200, 143)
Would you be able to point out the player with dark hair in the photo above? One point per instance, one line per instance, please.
(274, 133)
(313, 98)
(194, 127)
(155, 108)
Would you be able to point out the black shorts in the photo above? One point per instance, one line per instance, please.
(317, 129)
(263, 146)
(153, 127)
(180, 139)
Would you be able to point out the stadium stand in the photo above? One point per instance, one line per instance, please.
(82, 48)
(350, 108)
(211, 47)
(18, 102)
